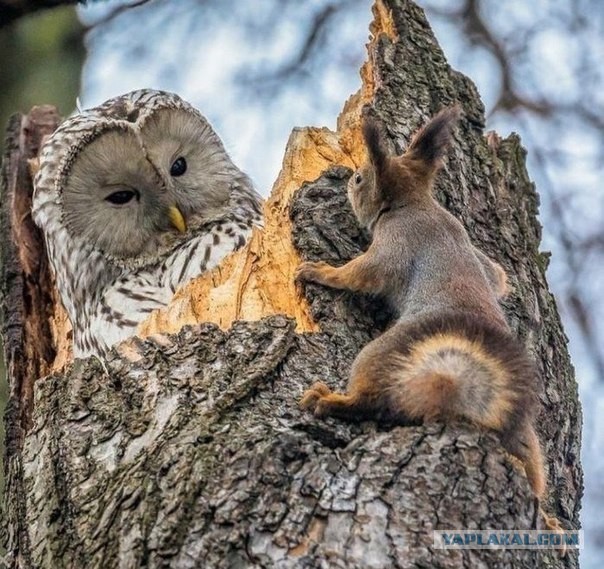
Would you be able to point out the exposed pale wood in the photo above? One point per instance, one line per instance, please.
(259, 280)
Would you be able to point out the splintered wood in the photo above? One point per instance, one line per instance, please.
(258, 280)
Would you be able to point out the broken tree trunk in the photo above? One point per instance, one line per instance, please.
(189, 450)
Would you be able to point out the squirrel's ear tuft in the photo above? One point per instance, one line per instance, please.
(431, 142)
(375, 145)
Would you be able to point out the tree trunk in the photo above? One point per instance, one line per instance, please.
(189, 450)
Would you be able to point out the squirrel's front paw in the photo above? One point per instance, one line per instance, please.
(311, 271)
(312, 396)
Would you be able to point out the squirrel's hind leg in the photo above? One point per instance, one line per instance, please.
(312, 396)
(323, 402)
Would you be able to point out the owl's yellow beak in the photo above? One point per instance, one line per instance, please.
(177, 219)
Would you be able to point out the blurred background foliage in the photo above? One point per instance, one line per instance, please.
(41, 58)
(257, 69)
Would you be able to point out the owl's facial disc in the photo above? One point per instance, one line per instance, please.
(117, 202)
(192, 160)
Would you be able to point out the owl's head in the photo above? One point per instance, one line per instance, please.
(137, 173)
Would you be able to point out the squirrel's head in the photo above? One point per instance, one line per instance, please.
(387, 181)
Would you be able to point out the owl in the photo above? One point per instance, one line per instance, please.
(135, 197)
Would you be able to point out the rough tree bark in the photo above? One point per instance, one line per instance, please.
(189, 450)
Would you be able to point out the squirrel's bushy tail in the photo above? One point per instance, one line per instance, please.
(450, 375)
(462, 366)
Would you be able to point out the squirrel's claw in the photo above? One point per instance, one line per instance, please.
(312, 396)
(310, 271)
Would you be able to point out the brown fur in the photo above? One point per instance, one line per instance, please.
(451, 354)
(352, 276)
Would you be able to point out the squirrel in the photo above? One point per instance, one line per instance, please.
(451, 353)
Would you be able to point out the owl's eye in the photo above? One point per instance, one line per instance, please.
(122, 197)
(179, 167)
(358, 179)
